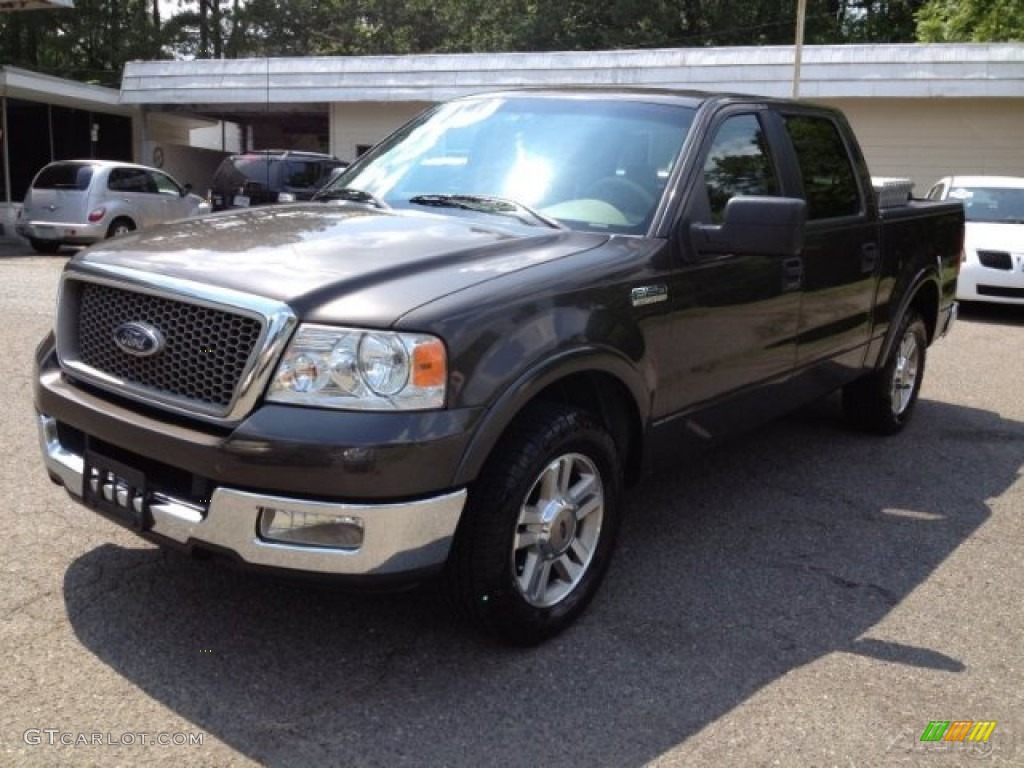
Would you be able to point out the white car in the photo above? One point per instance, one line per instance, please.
(79, 202)
(993, 263)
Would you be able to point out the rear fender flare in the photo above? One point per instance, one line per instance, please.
(925, 279)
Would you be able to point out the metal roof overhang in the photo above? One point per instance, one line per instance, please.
(993, 70)
(23, 84)
(35, 5)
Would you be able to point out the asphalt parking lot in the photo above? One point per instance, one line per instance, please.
(805, 596)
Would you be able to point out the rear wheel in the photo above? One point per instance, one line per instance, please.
(884, 400)
(120, 227)
(44, 246)
(537, 535)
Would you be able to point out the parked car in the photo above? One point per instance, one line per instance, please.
(270, 176)
(993, 258)
(457, 358)
(79, 202)
(330, 179)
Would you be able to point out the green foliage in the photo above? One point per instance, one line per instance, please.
(971, 21)
(881, 21)
(90, 42)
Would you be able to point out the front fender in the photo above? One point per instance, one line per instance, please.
(544, 373)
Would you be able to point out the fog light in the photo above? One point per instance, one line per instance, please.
(311, 529)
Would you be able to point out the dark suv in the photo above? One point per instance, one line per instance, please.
(269, 176)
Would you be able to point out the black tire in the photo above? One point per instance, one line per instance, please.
(44, 246)
(120, 227)
(524, 577)
(883, 401)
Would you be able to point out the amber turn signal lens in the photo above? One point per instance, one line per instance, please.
(429, 364)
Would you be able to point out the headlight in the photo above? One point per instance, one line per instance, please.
(361, 370)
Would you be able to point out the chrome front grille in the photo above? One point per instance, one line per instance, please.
(206, 350)
(216, 347)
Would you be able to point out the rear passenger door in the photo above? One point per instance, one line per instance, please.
(134, 191)
(841, 251)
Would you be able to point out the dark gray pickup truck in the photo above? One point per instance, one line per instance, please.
(455, 358)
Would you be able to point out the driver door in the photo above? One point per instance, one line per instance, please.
(729, 320)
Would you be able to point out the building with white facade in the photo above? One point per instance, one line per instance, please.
(921, 111)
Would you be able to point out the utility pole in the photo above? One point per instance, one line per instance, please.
(798, 48)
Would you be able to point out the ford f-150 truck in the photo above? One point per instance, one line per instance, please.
(454, 360)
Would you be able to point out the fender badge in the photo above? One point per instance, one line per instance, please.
(649, 294)
(138, 339)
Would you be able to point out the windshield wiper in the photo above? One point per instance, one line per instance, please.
(487, 204)
(351, 194)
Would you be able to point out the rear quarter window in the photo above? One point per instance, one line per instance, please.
(252, 168)
(64, 176)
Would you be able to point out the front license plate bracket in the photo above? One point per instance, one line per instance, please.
(116, 490)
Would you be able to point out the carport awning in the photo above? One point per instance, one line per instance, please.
(34, 5)
(993, 70)
(24, 84)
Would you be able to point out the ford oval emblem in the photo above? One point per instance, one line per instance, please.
(138, 339)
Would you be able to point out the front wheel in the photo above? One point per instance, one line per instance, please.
(884, 400)
(537, 535)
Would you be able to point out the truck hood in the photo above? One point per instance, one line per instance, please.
(339, 263)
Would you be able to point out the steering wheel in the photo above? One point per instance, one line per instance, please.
(626, 195)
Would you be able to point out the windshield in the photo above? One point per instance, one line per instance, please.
(585, 163)
(997, 205)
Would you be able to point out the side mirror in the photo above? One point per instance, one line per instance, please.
(762, 226)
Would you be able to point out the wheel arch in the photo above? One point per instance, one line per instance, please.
(921, 296)
(604, 385)
(121, 216)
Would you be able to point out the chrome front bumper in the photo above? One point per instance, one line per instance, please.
(397, 538)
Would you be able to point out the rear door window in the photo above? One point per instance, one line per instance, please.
(130, 180)
(302, 173)
(830, 183)
(64, 176)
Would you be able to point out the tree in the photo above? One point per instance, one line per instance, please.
(93, 40)
(198, 32)
(973, 21)
(90, 42)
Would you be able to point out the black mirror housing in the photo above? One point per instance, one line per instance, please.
(755, 225)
